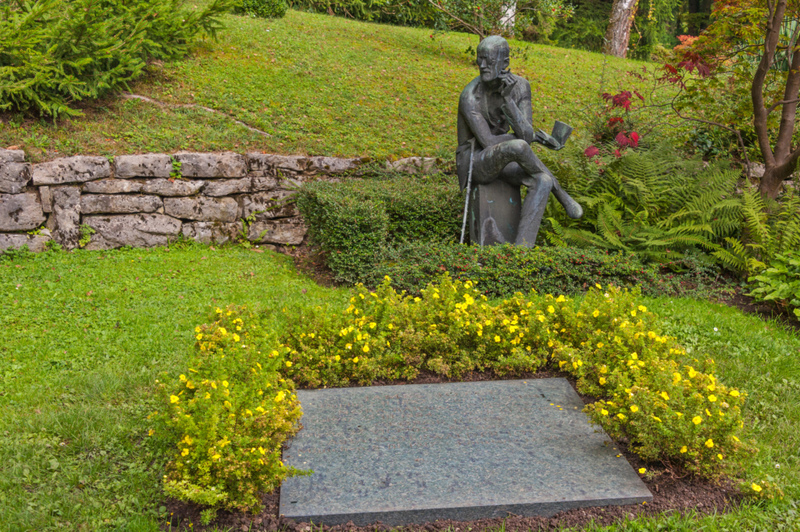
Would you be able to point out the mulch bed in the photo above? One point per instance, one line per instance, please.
(672, 491)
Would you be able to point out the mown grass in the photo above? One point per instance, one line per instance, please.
(318, 85)
(84, 335)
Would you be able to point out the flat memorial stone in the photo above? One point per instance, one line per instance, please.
(461, 451)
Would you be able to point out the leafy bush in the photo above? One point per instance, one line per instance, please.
(780, 283)
(654, 203)
(404, 13)
(669, 407)
(227, 417)
(502, 270)
(54, 53)
(261, 8)
(770, 228)
(354, 220)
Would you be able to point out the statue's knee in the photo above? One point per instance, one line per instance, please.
(518, 147)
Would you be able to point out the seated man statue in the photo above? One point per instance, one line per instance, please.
(497, 162)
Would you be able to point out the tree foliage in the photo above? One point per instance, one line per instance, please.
(54, 53)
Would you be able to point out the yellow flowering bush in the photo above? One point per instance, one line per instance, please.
(228, 415)
(668, 406)
(449, 330)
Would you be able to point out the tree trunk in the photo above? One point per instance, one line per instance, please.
(772, 180)
(618, 33)
(508, 19)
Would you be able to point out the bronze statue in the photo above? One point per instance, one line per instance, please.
(492, 162)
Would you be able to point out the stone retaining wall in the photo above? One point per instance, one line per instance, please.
(137, 200)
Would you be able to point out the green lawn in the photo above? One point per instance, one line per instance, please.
(318, 85)
(84, 336)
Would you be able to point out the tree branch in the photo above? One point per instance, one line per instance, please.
(474, 29)
(782, 102)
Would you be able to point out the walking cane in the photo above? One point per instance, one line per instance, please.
(468, 188)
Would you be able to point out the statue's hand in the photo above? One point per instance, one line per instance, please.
(507, 84)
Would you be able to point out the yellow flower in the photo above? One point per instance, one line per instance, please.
(604, 412)
(185, 451)
(657, 418)
(684, 449)
(550, 309)
(598, 286)
(560, 299)
(365, 348)
(697, 420)
(602, 380)
(348, 346)
(665, 395)
(279, 397)
(496, 338)
(735, 438)
(633, 313)
(596, 313)
(621, 416)
(337, 358)
(709, 443)
(235, 337)
(634, 408)
(199, 336)
(288, 363)
(182, 377)
(642, 471)
(174, 399)
(216, 456)
(355, 360)
(151, 432)
(734, 393)
(599, 345)
(692, 372)
(712, 398)
(755, 487)
(642, 308)
(719, 456)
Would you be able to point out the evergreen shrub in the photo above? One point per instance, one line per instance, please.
(261, 8)
(353, 221)
(54, 53)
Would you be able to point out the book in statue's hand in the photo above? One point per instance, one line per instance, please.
(557, 139)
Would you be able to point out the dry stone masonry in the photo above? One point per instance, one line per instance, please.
(154, 199)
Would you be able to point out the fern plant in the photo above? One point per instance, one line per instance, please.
(770, 228)
(653, 203)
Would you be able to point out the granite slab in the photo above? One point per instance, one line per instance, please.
(463, 451)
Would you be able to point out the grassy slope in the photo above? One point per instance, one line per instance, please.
(319, 85)
(85, 334)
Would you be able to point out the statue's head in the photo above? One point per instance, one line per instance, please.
(492, 57)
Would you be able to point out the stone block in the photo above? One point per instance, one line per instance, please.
(71, 170)
(268, 164)
(66, 218)
(46, 196)
(265, 183)
(112, 186)
(20, 212)
(35, 243)
(333, 165)
(460, 451)
(494, 213)
(212, 232)
(212, 165)
(12, 156)
(14, 177)
(119, 204)
(228, 187)
(136, 230)
(172, 187)
(275, 204)
(202, 209)
(415, 165)
(289, 232)
(147, 165)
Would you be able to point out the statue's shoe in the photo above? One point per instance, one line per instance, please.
(573, 208)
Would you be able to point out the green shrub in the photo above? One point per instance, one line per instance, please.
(54, 53)
(354, 220)
(502, 270)
(669, 407)
(780, 283)
(227, 417)
(653, 202)
(399, 12)
(261, 8)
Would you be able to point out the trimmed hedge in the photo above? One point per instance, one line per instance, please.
(355, 220)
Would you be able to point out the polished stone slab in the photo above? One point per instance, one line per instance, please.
(464, 451)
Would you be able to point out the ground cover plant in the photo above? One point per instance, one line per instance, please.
(285, 77)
